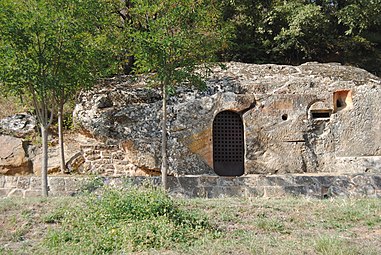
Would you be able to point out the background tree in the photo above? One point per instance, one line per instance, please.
(48, 50)
(297, 31)
(176, 40)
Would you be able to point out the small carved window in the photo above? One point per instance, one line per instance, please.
(342, 99)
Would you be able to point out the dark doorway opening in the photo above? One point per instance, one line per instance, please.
(228, 144)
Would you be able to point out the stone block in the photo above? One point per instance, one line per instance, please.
(23, 182)
(188, 183)
(2, 181)
(110, 172)
(197, 191)
(4, 192)
(92, 155)
(338, 191)
(250, 181)
(377, 181)
(296, 190)
(156, 180)
(326, 180)
(234, 191)
(74, 184)
(33, 193)
(213, 192)
(138, 180)
(230, 181)
(275, 180)
(120, 155)
(361, 180)
(97, 169)
(56, 184)
(35, 183)
(16, 193)
(274, 191)
(173, 183)
(369, 191)
(306, 180)
(10, 182)
(255, 191)
(105, 154)
(208, 181)
(114, 182)
(59, 193)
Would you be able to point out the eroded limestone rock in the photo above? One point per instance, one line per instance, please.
(18, 125)
(13, 158)
(297, 119)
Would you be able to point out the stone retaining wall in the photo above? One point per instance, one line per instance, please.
(318, 186)
(107, 160)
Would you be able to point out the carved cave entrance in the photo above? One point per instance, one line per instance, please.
(228, 145)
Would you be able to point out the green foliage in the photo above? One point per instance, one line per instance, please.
(125, 220)
(52, 47)
(296, 31)
(174, 38)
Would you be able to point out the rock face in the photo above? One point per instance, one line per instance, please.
(314, 118)
(18, 125)
(13, 158)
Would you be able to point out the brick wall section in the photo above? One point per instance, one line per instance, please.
(318, 186)
(107, 160)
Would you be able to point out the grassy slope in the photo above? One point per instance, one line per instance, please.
(255, 226)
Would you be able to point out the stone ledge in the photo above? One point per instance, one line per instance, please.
(311, 185)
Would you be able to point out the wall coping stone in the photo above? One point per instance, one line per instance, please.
(208, 186)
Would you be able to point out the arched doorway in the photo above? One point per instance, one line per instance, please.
(228, 145)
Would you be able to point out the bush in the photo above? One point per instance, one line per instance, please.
(126, 220)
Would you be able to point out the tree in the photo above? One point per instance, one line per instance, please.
(296, 31)
(175, 40)
(83, 53)
(48, 50)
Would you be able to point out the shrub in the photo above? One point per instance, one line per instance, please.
(125, 220)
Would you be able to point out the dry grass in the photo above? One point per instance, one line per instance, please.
(248, 226)
(11, 105)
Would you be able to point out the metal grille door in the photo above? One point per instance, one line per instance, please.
(228, 146)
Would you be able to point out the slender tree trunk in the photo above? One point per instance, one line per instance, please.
(60, 138)
(164, 163)
(44, 165)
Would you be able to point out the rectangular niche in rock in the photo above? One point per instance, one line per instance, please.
(342, 99)
(321, 114)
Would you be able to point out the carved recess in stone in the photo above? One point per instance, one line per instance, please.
(342, 99)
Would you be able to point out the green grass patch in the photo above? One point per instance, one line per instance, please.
(126, 220)
(147, 221)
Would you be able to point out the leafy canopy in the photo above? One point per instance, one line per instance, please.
(48, 45)
(172, 38)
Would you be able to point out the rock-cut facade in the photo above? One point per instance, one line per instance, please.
(251, 119)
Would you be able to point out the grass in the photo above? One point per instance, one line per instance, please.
(11, 105)
(149, 222)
